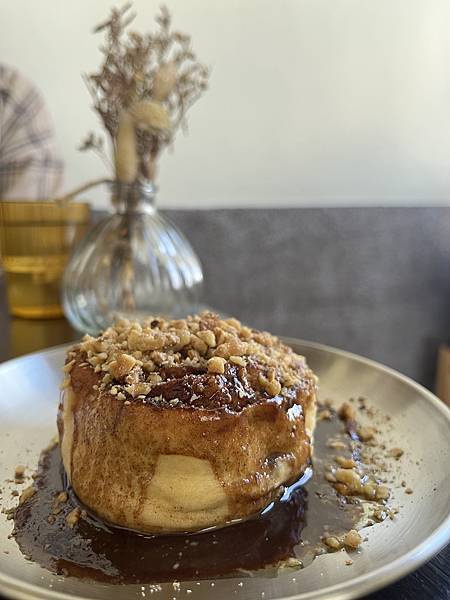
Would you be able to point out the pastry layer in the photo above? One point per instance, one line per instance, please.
(152, 464)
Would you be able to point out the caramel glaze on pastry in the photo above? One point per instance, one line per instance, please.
(182, 425)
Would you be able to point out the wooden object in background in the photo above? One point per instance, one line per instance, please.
(443, 374)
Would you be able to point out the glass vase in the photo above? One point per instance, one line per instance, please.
(133, 263)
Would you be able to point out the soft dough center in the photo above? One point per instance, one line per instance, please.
(183, 489)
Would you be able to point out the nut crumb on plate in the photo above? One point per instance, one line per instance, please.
(27, 494)
(73, 517)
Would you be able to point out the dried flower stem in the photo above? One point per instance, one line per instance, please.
(82, 188)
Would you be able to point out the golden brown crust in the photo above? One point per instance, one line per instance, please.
(254, 441)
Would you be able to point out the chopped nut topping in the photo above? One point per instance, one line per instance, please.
(350, 477)
(245, 332)
(379, 514)
(68, 366)
(208, 337)
(333, 542)
(122, 365)
(233, 323)
(382, 492)
(330, 477)
(238, 360)
(73, 517)
(9, 512)
(346, 412)
(27, 494)
(19, 472)
(366, 433)
(395, 452)
(354, 482)
(216, 365)
(232, 348)
(287, 379)
(336, 444)
(352, 539)
(132, 359)
(138, 389)
(346, 463)
(273, 388)
(145, 341)
(324, 414)
(62, 497)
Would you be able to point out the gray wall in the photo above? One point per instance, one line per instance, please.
(375, 281)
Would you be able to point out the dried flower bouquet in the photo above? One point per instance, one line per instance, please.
(142, 91)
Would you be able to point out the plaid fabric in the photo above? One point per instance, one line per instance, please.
(30, 165)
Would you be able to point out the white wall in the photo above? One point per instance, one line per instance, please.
(311, 101)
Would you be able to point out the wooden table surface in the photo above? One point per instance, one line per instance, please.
(19, 336)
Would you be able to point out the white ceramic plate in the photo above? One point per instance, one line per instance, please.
(28, 399)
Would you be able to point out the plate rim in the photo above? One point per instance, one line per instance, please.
(362, 584)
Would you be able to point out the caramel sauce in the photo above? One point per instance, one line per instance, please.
(291, 528)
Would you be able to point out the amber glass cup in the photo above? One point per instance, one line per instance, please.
(35, 242)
